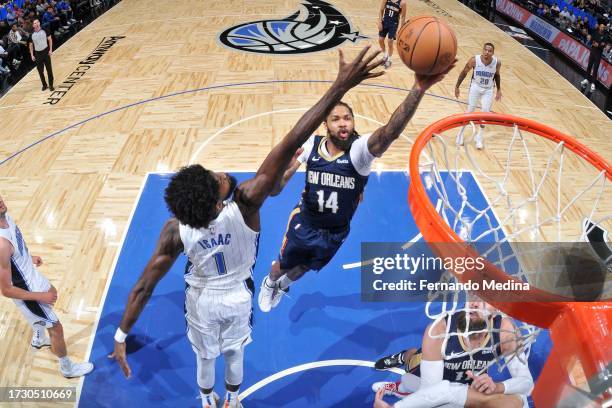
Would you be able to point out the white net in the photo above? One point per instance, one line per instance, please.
(514, 201)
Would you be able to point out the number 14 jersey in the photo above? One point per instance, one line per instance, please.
(334, 184)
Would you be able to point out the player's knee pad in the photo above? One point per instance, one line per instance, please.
(206, 372)
(234, 366)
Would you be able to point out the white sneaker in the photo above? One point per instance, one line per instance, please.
(593, 87)
(232, 403)
(391, 388)
(40, 342)
(266, 294)
(388, 63)
(211, 402)
(584, 83)
(459, 140)
(78, 370)
(278, 295)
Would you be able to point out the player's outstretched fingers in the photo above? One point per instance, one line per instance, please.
(371, 57)
(379, 62)
(341, 56)
(362, 53)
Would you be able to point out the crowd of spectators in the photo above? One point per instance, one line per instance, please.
(59, 18)
(578, 18)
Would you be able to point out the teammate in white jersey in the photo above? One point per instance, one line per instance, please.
(219, 237)
(33, 294)
(486, 70)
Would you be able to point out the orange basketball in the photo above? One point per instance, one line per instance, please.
(427, 45)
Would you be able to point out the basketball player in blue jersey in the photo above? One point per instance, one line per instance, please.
(34, 296)
(486, 74)
(454, 382)
(392, 15)
(337, 170)
(220, 236)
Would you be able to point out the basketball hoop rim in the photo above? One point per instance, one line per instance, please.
(547, 306)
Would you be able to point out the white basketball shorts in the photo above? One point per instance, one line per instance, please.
(218, 320)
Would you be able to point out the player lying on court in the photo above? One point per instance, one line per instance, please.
(33, 294)
(455, 382)
(220, 238)
(337, 170)
(486, 73)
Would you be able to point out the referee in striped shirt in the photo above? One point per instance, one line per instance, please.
(41, 48)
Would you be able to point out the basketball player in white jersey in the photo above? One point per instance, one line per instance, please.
(219, 236)
(33, 294)
(486, 70)
(435, 378)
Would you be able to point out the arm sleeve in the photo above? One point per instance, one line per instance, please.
(308, 146)
(521, 382)
(360, 155)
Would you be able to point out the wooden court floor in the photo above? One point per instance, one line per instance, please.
(72, 194)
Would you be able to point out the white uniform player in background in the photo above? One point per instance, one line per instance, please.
(220, 236)
(33, 294)
(486, 73)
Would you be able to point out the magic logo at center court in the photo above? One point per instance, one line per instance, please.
(316, 26)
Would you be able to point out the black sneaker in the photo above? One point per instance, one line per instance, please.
(392, 361)
(44, 87)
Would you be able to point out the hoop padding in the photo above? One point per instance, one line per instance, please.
(578, 330)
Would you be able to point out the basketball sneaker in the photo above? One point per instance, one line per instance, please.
(391, 388)
(40, 342)
(593, 87)
(278, 295)
(388, 63)
(231, 402)
(77, 370)
(210, 401)
(266, 294)
(392, 361)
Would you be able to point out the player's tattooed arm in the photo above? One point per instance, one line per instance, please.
(382, 138)
(251, 194)
(167, 249)
(466, 70)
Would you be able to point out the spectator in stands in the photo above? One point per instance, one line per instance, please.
(6, 58)
(17, 39)
(540, 10)
(607, 53)
(30, 10)
(4, 28)
(40, 7)
(10, 15)
(51, 22)
(565, 13)
(41, 48)
(555, 10)
(65, 12)
(572, 17)
(561, 22)
(585, 37)
(598, 39)
(547, 14)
